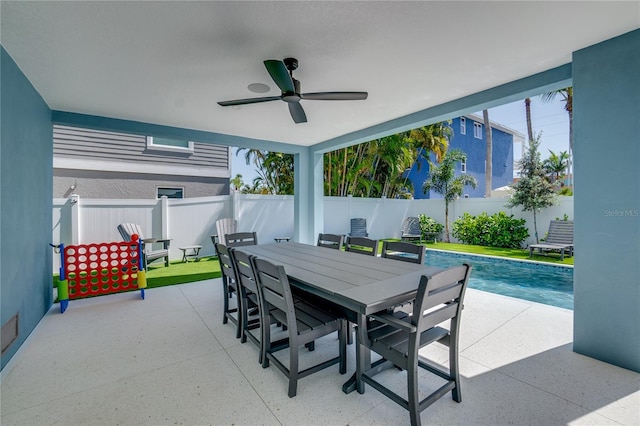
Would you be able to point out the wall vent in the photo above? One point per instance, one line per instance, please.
(9, 332)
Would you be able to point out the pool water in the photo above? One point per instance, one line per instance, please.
(548, 284)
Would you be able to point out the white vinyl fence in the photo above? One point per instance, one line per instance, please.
(191, 221)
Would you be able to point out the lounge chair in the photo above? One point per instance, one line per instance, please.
(128, 229)
(559, 238)
(411, 229)
(359, 227)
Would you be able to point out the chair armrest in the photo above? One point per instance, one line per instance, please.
(395, 322)
(165, 242)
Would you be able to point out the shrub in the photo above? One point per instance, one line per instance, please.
(428, 225)
(497, 230)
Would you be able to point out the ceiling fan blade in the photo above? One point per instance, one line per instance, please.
(335, 96)
(249, 101)
(297, 113)
(278, 72)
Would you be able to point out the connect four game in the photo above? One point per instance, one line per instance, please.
(89, 270)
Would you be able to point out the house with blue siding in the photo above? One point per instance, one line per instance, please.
(469, 136)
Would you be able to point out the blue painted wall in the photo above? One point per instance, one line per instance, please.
(476, 150)
(606, 111)
(26, 180)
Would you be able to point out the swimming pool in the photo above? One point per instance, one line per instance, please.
(548, 284)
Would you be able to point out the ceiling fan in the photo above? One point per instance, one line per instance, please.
(282, 73)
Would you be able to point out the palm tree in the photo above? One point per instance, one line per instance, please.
(556, 164)
(236, 182)
(488, 168)
(442, 179)
(567, 97)
(275, 171)
(432, 138)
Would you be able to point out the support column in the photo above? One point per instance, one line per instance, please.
(606, 109)
(309, 195)
(164, 214)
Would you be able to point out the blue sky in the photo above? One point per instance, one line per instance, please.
(549, 118)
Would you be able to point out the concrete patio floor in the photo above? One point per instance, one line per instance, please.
(170, 360)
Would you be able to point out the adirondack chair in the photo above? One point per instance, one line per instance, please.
(559, 238)
(224, 226)
(128, 229)
(411, 229)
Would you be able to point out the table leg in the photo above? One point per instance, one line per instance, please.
(363, 358)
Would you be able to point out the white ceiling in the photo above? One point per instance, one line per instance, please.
(171, 62)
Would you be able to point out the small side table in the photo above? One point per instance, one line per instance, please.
(280, 239)
(190, 251)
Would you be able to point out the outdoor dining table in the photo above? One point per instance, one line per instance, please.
(362, 285)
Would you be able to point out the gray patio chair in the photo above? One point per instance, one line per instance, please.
(398, 338)
(362, 245)
(250, 303)
(239, 239)
(331, 241)
(229, 288)
(559, 238)
(126, 230)
(305, 323)
(406, 252)
(410, 229)
(248, 296)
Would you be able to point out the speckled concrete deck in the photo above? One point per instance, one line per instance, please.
(170, 360)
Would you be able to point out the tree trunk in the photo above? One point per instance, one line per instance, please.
(488, 169)
(535, 227)
(344, 175)
(446, 221)
(329, 174)
(527, 108)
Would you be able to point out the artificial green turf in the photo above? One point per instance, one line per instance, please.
(180, 273)
(177, 273)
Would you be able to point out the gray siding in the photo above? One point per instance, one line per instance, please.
(130, 182)
(113, 185)
(77, 143)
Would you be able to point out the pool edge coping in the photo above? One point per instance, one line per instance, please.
(536, 262)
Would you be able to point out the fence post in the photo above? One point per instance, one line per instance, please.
(74, 200)
(235, 199)
(164, 216)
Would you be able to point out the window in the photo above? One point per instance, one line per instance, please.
(170, 192)
(463, 126)
(169, 145)
(477, 130)
(463, 166)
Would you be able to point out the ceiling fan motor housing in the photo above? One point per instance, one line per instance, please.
(291, 63)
